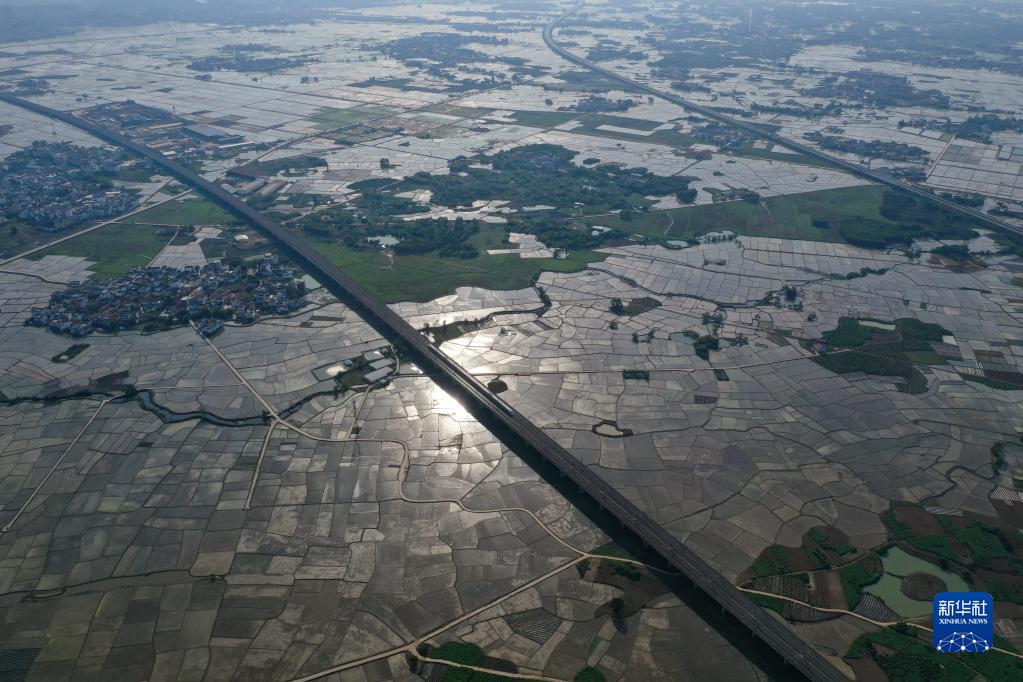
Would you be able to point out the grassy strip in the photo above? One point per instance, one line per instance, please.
(426, 277)
(184, 212)
(749, 151)
(114, 249)
(867, 216)
(786, 217)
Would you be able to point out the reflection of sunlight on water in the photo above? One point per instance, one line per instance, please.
(443, 402)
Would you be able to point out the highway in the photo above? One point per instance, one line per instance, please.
(763, 625)
(707, 112)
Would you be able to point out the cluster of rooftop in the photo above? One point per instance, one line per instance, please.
(60, 185)
(161, 129)
(160, 297)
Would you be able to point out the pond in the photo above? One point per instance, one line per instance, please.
(898, 564)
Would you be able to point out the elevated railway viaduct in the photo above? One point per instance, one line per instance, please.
(706, 579)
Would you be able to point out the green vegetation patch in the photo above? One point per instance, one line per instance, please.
(703, 345)
(936, 544)
(406, 84)
(787, 217)
(984, 543)
(998, 455)
(823, 543)
(854, 361)
(71, 353)
(114, 249)
(676, 59)
(904, 656)
(752, 152)
(527, 176)
(183, 212)
(924, 357)
(867, 216)
(993, 383)
(288, 164)
(988, 554)
(638, 586)
(589, 675)
(339, 118)
(231, 251)
(995, 665)
(858, 575)
(628, 122)
(877, 90)
(820, 549)
(897, 528)
(455, 110)
(772, 561)
(431, 257)
(451, 330)
(451, 238)
(902, 218)
(383, 204)
(848, 334)
(464, 653)
(543, 119)
(135, 174)
(636, 374)
(881, 352)
(17, 237)
(772, 603)
(425, 277)
(544, 174)
(613, 551)
(459, 652)
(622, 127)
(636, 306)
(352, 377)
(1006, 592)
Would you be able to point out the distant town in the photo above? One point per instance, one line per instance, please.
(55, 186)
(158, 298)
